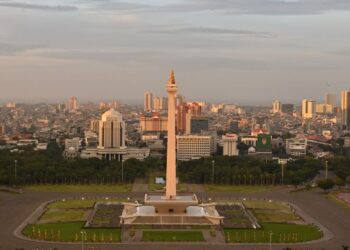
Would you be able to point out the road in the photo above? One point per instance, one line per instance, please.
(15, 208)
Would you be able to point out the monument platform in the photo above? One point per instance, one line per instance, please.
(183, 209)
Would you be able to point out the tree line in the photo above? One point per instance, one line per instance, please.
(35, 167)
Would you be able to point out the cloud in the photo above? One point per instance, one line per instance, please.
(213, 31)
(8, 48)
(22, 5)
(259, 7)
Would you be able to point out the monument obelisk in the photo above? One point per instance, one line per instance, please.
(171, 88)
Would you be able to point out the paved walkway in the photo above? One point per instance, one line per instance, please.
(14, 209)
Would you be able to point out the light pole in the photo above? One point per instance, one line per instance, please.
(282, 165)
(326, 169)
(212, 171)
(82, 239)
(122, 170)
(15, 171)
(270, 235)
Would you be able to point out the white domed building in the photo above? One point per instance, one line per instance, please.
(112, 136)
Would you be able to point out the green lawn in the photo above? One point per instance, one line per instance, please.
(64, 215)
(85, 203)
(284, 233)
(263, 204)
(183, 236)
(70, 232)
(238, 189)
(79, 188)
(275, 216)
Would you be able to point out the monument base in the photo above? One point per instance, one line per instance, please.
(183, 209)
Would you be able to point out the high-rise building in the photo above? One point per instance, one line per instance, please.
(296, 146)
(308, 109)
(95, 125)
(112, 136)
(276, 106)
(157, 103)
(345, 108)
(72, 105)
(229, 142)
(148, 101)
(165, 103)
(199, 124)
(287, 108)
(114, 105)
(185, 112)
(322, 108)
(193, 147)
(331, 99)
(153, 122)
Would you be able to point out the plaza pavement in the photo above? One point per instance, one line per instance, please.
(15, 208)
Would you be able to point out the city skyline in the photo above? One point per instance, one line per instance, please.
(232, 51)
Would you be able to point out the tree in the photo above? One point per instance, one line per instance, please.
(339, 182)
(325, 184)
(348, 180)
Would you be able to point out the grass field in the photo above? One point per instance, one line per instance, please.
(64, 215)
(70, 232)
(86, 203)
(275, 216)
(183, 236)
(238, 189)
(281, 233)
(263, 204)
(79, 188)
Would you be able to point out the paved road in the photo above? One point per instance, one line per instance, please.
(15, 208)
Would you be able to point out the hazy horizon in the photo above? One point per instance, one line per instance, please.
(237, 51)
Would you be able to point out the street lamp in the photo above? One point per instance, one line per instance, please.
(282, 165)
(122, 170)
(212, 171)
(270, 235)
(15, 171)
(82, 239)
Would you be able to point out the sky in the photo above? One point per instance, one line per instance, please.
(237, 51)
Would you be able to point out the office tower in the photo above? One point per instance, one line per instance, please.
(185, 112)
(153, 122)
(308, 109)
(72, 104)
(112, 135)
(95, 126)
(179, 100)
(345, 108)
(114, 105)
(276, 106)
(288, 109)
(296, 146)
(229, 142)
(157, 103)
(148, 102)
(199, 124)
(324, 108)
(331, 99)
(165, 103)
(193, 147)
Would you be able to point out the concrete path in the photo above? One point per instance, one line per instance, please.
(15, 208)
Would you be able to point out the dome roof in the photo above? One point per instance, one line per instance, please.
(111, 114)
